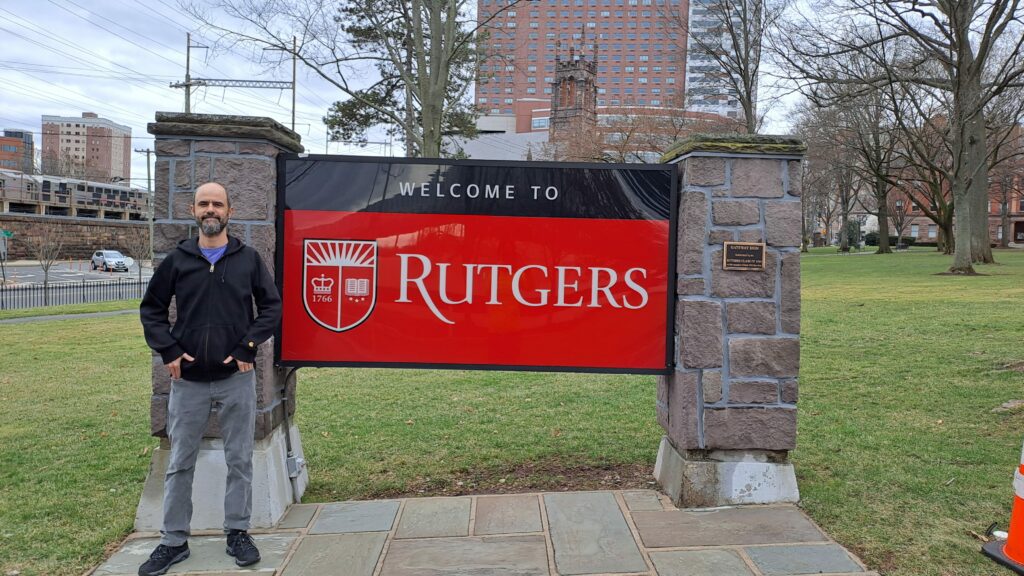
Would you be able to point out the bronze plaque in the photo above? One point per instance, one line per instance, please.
(743, 256)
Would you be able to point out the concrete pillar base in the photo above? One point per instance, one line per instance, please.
(272, 489)
(707, 478)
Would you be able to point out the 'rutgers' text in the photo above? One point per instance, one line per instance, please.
(568, 286)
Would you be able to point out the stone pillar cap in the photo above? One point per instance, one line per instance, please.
(179, 124)
(735, 144)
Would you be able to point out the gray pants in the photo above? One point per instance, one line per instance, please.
(188, 410)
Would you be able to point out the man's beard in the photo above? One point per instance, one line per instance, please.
(212, 226)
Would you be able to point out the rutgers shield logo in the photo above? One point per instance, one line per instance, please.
(339, 279)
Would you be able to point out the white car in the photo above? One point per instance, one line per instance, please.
(110, 260)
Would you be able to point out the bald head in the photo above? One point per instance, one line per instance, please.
(212, 191)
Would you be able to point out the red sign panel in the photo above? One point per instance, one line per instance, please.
(376, 271)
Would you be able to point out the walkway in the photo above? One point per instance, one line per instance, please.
(550, 534)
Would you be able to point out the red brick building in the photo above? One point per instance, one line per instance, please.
(1006, 197)
(12, 153)
(638, 51)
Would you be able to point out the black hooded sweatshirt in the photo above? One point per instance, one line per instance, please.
(215, 309)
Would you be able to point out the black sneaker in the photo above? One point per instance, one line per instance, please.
(241, 546)
(161, 560)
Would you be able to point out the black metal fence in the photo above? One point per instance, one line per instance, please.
(57, 293)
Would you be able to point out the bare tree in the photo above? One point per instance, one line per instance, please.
(403, 64)
(833, 162)
(61, 163)
(925, 156)
(976, 49)
(135, 243)
(45, 242)
(725, 40)
(899, 214)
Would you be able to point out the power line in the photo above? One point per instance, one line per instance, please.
(69, 11)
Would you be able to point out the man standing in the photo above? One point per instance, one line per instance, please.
(209, 353)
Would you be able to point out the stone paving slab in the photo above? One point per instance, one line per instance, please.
(207, 555)
(507, 514)
(590, 535)
(744, 525)
(470, 556)
(585, 533)
(700, 563)
(642, 500)
(807, 559)
(351, 554)
(345, 517)
(434, 517)
(298, 516)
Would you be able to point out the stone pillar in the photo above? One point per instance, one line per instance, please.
(239, 152)
(729, 409)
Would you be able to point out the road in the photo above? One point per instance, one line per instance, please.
(70, 283)
(64, 271)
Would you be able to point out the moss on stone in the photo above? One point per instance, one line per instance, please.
(735, 144)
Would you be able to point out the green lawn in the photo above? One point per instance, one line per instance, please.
(70, 309)
(899, 455)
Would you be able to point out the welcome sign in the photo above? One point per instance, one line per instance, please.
(475, 264)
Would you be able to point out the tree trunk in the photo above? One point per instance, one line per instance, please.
(968, 158)
(1005, 240)
(751, 116)
(844, 234)
(945, 243)
(883, 220)
(981, 239)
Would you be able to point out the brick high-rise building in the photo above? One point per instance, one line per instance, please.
(89, 148)
(639, 44)
(15, 142)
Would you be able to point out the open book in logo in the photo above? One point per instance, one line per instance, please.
(339, 279)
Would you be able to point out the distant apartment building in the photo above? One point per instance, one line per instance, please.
(705, 89)
(87, 148)
(22, 193)
(13, 143)
(638, 47)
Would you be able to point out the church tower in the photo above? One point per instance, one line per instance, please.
(574, 98)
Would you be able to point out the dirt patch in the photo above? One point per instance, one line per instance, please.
(1011, 406)
(960, 274)
(530, 477)
(1015, 366)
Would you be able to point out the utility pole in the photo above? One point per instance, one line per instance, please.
(232, 83)
(295, 57)
(187, 84)
(188, 78)
(152, 199)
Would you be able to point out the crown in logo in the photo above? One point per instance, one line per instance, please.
(322, 285)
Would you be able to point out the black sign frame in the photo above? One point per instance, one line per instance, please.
(671, 294)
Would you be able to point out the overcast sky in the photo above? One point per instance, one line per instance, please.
(117, 57)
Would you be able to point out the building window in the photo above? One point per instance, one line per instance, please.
(539, 123)
(999, 233)
(932, 231)
(914, 230)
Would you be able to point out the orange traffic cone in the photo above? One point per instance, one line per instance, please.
(1010, 553)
